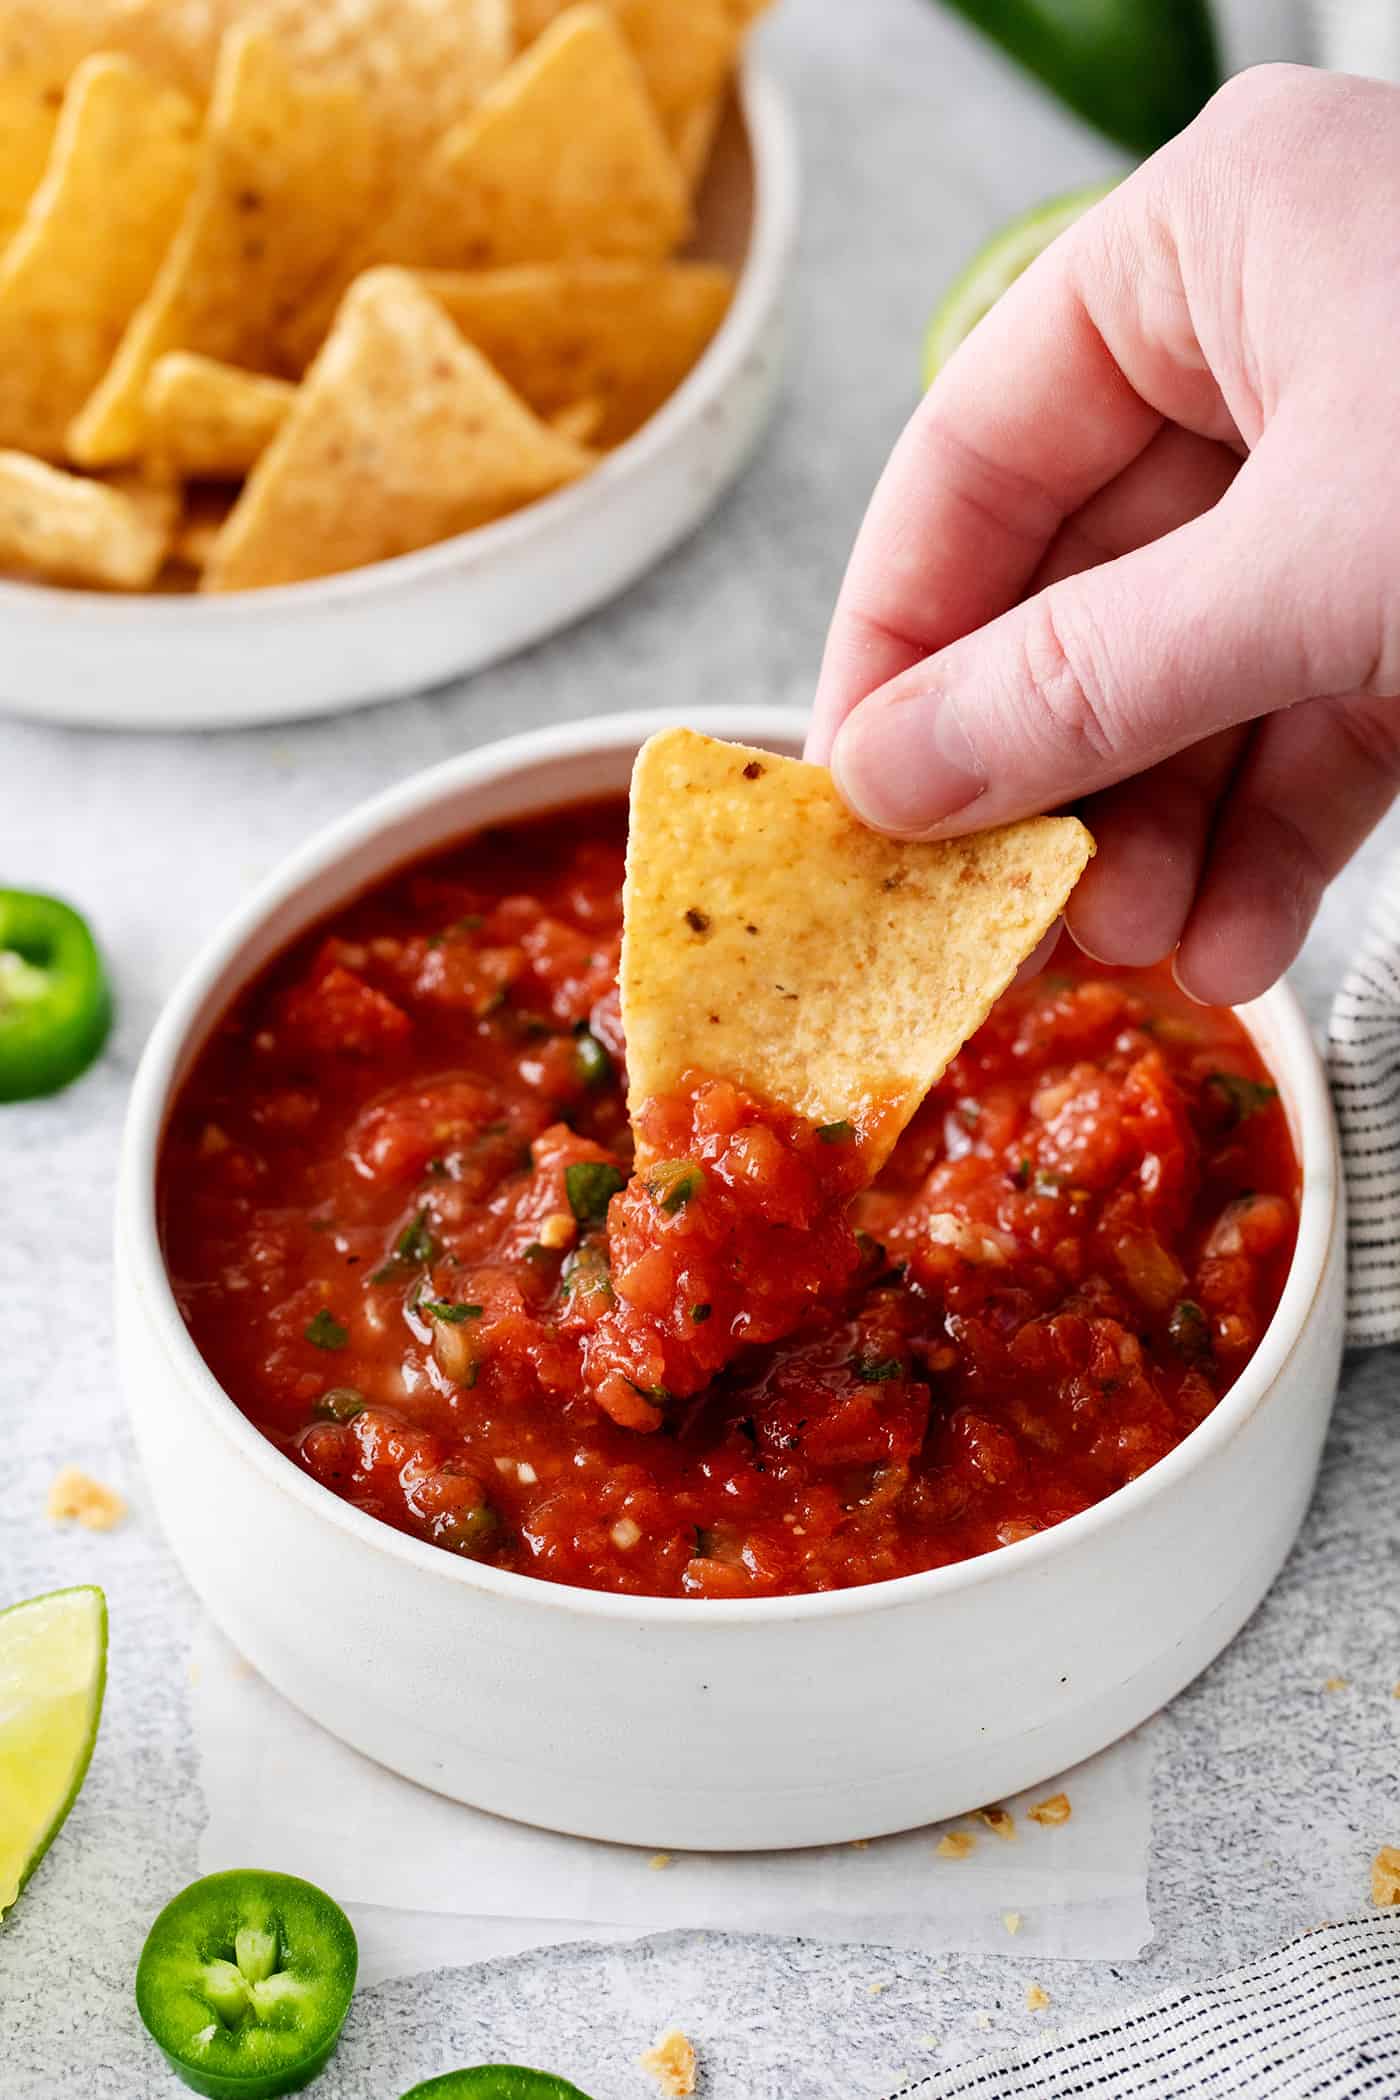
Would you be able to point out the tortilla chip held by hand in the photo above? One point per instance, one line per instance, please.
(770, 938)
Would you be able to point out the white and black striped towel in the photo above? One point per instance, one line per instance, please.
(1364, 1060)
(1320, 2016)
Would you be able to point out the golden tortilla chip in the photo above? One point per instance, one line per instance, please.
(64, 528)
(625, 333)
(686, 49)
(42, 43)
(278, 193)
(580, 422)
(564, 157)
(90, 243)
(770, 938)
(420, 64)
(401, 434)
(211, 421)
(695, 139)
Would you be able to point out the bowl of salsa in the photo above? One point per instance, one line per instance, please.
(726, 1502)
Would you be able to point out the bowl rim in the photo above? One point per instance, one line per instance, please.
(187, 1014)
(772, 142)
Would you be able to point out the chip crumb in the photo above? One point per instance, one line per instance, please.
(1055, 1810)
(955, 1844)
(984, 2020)
(926, 2041)
(860, 1844)
(1336, 1684)
(997, 1819)
(671, 2060)
(1385, 1877)
(1012, 1920)
(1395, 1691)
(75, 1496)
(658, 1861)
(875, 1988)
(1036, 1998)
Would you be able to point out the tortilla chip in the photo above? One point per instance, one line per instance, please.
(420, 64)
(89, 245)
(563, 158)
(211, 421)
(277, 195)
(695, 138)
(29, 104)
(625, 333)
(42, 43)
(768, 937)
(65, 528)
(686, 49)
(401, 434)
(580, 422)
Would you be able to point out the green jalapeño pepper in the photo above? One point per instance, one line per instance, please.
(1138, 70)
(495, 2082)
(55, 1006)
(245, 1980)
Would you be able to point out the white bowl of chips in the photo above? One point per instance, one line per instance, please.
(254, 492)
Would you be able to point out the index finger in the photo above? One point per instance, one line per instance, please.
(1034, 413)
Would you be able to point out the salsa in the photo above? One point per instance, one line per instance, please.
(402, 1221)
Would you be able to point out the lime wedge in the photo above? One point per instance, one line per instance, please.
(977, 289)
(53, 1666)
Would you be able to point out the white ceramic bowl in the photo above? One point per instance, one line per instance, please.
(662, 1721)
(397, 626)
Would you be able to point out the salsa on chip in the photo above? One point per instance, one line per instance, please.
(869, 1279)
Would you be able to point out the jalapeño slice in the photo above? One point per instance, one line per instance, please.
(244, 1982)
(495, 2082)
(55, 1004)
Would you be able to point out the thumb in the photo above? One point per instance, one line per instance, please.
(1096, 677)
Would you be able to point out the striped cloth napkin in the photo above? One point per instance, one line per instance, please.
(1364, 1062)
(1320, 2016)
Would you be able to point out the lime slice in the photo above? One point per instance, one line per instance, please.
(977, 289)
(53, 1666)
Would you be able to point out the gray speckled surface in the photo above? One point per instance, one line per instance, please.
(1271, 1793)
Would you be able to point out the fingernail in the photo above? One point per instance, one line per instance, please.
(1182, 985)
(906, 765)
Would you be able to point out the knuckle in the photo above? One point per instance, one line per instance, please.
(1371, 728)
(1257, 91)
(1065, 689)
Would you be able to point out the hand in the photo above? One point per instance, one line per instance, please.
(1139, 547)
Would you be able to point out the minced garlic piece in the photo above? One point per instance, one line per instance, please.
(671, 2062)
(77, 1496)
(1055, 1810)
(955, 1844)
(1385, 1877)
(558, 1230)
(1036, 1998)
